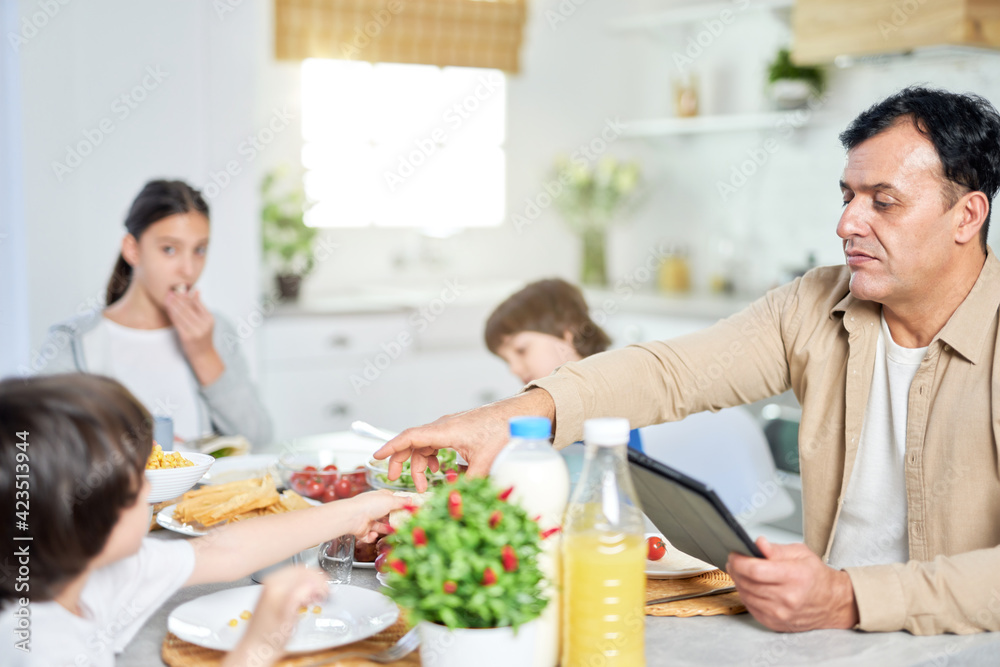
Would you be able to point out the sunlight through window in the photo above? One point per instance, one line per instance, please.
(396, 145)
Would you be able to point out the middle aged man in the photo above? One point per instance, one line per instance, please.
(895, 359)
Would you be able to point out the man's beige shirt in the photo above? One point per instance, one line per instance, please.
(813, 337)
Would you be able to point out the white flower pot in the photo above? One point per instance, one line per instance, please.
(488, 647)
(790, 93)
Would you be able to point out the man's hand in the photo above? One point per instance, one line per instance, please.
(478, 435)
(194, 325)
(792, 590)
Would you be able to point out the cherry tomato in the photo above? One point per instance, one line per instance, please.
(656, 547)
(309, 469)
(330, 468)
(313, 489)
(344, 488)
(298, 483)
(329, 495)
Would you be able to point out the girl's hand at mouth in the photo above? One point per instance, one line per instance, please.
(194, 325)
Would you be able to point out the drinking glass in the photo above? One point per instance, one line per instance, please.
(336, 558)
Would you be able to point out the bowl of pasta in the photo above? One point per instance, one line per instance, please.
(170, 474)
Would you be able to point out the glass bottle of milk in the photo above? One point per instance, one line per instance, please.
(541, 486)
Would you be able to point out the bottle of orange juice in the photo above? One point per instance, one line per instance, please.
(604, 556)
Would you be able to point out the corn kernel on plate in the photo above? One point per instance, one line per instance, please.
(349, 613)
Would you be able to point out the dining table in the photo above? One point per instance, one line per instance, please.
(679, 642)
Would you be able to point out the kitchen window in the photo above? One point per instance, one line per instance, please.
(394, 145)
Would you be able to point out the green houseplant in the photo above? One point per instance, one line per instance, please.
(789, 85)
(592, 198)
(287, 240)
(465, 567)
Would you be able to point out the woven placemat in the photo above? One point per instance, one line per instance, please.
(715, 605)
(179, 653)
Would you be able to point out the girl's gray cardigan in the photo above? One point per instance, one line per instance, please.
(228, 406)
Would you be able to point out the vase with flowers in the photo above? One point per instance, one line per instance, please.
(464, 567)
(592, 199)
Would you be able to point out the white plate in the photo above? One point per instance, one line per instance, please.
(675, 564)
(348, 614)
(238, 468)
(165, 517)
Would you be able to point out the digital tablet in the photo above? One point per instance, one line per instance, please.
(688, 513)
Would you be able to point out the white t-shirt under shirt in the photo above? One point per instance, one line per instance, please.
(152, 365)
(872, 528)
(116, 601)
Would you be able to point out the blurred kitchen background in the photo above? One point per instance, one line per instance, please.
(736, 192)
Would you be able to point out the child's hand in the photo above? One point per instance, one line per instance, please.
(276, 615)
(369, 512)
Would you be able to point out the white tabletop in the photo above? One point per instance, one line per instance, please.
(682, 642)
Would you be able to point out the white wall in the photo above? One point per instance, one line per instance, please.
(189, 124)
(222, 84)
(14, 336)
(580, 72)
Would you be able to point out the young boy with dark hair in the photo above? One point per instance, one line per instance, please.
(73, 450)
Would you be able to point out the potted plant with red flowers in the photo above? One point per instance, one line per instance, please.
(464, 567)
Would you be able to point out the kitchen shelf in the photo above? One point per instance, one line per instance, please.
(665, 127)
(692, 12)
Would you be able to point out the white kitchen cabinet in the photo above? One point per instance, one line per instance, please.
(321, 372)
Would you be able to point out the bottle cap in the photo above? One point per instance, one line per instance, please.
(533, 428)
(607, 431)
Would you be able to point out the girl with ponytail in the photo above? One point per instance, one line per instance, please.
(155, 335)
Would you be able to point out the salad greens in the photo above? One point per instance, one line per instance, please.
(448, 458)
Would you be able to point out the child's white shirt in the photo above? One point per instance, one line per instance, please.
(116, 601)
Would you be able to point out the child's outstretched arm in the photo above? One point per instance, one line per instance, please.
(238, 549)
(275, 617)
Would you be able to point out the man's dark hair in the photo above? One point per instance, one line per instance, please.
(75, 447)
(965, 131)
